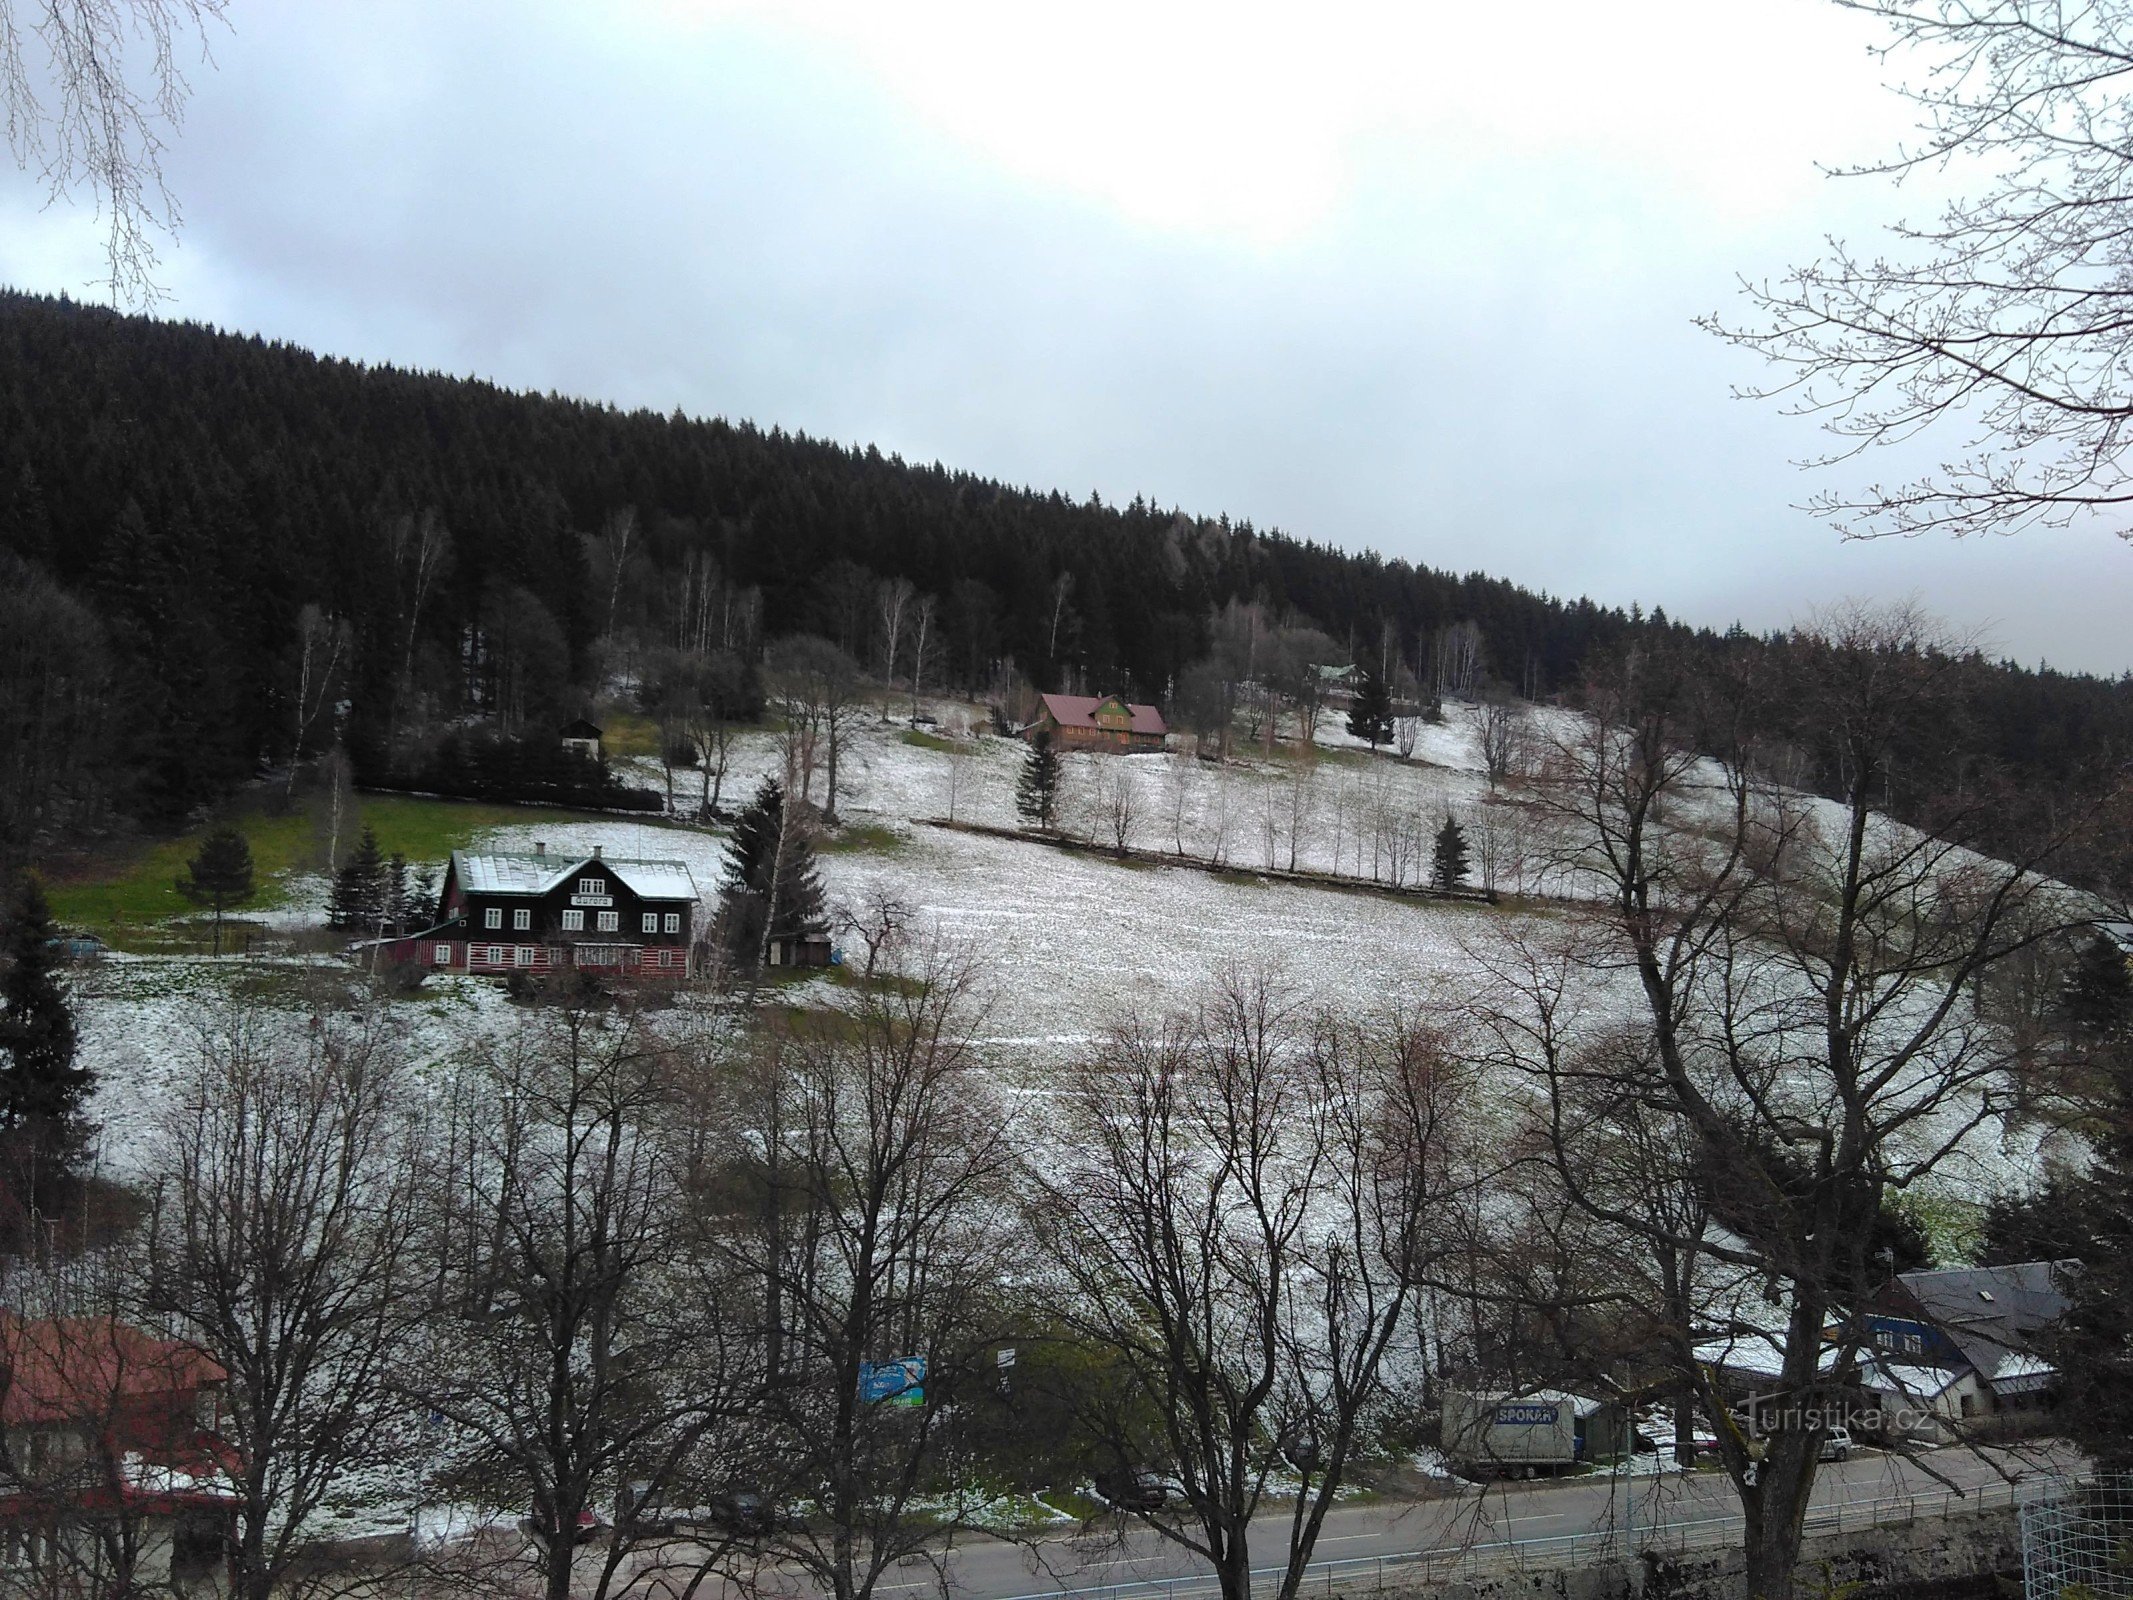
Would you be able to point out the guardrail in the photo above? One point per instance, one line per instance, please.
(1472, 1559)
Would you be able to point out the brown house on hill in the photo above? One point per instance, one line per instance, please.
(113, 1476)
(581, 736)
(1098, 722)
(611, 916)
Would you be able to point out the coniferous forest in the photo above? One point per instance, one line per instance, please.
(220, 551)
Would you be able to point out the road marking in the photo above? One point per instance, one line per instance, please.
(1343, 1538)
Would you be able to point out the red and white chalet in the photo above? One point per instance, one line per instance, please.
(612, 916)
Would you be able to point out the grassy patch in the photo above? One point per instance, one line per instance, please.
(918, 739)
(625, 733)
(128, 896)
(861, 838)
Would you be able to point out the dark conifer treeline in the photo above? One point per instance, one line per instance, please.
(178, 497)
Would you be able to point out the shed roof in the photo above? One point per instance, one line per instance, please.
(518, 872)
(1079, 711)
(580, 729)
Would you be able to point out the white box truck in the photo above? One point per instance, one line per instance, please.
(1519, 1435)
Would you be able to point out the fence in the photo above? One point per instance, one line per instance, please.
(2081, 1543)
(1473, 1559)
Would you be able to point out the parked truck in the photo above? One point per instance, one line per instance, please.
(1491, 1435)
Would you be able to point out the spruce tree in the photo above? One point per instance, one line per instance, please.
(220, 876)
(773, 887)
(1370, 717)
(43, 1091)
(361, 889)
(1448, 861)
(399, 899)
(1037, 790)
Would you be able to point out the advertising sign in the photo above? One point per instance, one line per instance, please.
(899, 1383)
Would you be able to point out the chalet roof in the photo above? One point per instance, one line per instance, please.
(1989, 1313)
(517, 872)
(1079, 711)
(77, 1369)
(580, 729)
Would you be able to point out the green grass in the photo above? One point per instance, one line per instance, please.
(861, 838)
(127, 895)
(628, 733)
(921, 740)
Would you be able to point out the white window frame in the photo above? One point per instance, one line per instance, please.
(496, 955)
(610, 922)
(673, 922)
(444, 955)
(573, 921)
(493, 917)
(521, 919)
(651, 922)
(522, 955)
(588, 886)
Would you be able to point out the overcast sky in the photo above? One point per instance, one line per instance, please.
(1417, 278)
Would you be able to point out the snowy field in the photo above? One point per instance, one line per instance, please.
(1067, 944)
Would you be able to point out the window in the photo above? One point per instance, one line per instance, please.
(573, 922)
(588, 886)
(522, 955)
(651, 922)
(492, 918)
(522, 919)
(673, 922)
(444, 955)
(496, 955)
(610, 921)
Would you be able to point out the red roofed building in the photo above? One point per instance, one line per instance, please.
(1099, 722)
(112, 1464)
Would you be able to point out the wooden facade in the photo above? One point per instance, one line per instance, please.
(614, 918)
(1099, 722)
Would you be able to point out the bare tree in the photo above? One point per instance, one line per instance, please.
(925, 638)
(892, 606)
(1239, 1221)
(418, 549)
(1803, 987)
(1501, 725)
(2003, 318)
(1118, 805)
(878, 1161)
(817, 689)
(323, 645)
(82, 118)
(280, 1213)
(578, 1355)
(1406, 734)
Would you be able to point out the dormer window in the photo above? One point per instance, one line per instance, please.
(588, 886)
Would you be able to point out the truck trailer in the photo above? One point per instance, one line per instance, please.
(1511, 1434)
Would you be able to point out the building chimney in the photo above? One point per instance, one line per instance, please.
(596, 852)
(540, 847)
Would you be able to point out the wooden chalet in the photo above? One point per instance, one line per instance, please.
(1098, 722)
(115, 1477)
(614, 917)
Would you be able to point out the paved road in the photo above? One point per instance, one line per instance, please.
(1112, 1562)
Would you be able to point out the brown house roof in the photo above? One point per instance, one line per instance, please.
(1079, 711)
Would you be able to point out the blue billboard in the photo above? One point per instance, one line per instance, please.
(899, 1383)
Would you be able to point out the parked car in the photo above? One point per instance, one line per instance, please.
(742, 1511)
(1837, 1445)
(72, 946)
(1133, 1491)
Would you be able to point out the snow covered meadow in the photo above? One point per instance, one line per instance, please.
(1068, 944)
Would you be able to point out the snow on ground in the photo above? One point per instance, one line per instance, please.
(1069, 943)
